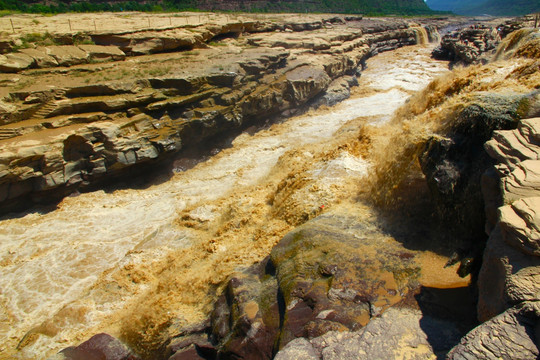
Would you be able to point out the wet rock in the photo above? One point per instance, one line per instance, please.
(510, 335)
(467, 46)
(319, 278)
(454, 165)
(191, 346)
(399, 333)
(98, 347)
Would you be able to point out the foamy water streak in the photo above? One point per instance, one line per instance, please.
(53, 259)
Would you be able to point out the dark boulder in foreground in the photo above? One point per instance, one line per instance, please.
(98, 347)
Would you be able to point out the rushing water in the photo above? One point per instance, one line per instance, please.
(88, 265)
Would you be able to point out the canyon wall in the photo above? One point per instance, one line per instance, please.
(60, 139)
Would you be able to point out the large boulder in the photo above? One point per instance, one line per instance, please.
(510, 335)
(332, 274)
(98, 347)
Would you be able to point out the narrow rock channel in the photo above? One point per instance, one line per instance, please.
(165, 249)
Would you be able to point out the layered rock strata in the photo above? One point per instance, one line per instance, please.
(63, 138)
(509, 286)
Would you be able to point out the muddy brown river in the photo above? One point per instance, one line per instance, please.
(100, 258)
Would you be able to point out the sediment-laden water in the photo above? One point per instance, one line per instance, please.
(132, 262)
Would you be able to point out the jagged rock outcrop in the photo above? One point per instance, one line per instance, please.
(454, 164)
(512, 250)
(399, 333)
(468, 46)
(89, 133)
(510, 335)
(509, 280)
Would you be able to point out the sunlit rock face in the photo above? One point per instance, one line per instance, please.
(60, 139)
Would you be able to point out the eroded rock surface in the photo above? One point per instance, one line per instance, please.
(468, 46)
(100, 346)
(399, 333)
(58, 139)
(509, 280)
(319, 278)
(454, 164)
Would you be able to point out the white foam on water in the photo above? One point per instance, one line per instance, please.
(50, 260)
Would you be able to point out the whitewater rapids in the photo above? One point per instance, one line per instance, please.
(100, 257)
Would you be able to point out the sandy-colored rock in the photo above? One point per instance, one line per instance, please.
(15, 62)
(66, 55)
(103, 53)
(305, 82)
(507, 336)
(42, 59)
(520, 224)
(507, 277)
(177, 104)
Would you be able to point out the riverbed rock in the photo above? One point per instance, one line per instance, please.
(15, 62)
(144, 120)
(399, 333)
(67, 55)
(99, 53)
(468, 46)
(510, 335)
(319, 278)
(98, 347)
(41, 58)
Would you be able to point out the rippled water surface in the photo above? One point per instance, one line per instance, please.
(84, 267)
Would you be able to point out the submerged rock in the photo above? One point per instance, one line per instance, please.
(399, 333)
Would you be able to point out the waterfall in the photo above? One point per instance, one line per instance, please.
(421, 35)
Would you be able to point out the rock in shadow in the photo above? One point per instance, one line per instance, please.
(454, 308)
